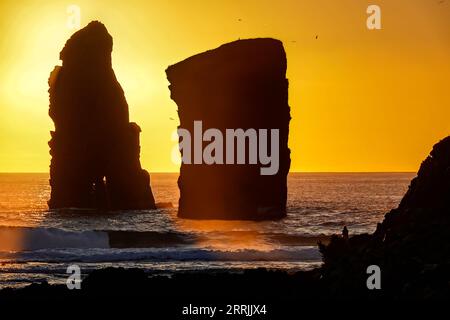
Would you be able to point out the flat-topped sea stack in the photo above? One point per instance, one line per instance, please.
(240, 85)
(95, 149)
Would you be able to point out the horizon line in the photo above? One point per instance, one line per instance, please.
(170, 172)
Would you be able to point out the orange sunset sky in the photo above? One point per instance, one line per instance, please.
(361, 100)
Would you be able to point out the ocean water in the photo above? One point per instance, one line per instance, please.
(38, 244)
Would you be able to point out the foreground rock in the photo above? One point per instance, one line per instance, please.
(165, 294)
(95, 149)
(240, 85)
(411, 245)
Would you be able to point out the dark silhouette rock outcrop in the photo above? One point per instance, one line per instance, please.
(240, 85)
(431, 187)
(411, 246)
(95, 149)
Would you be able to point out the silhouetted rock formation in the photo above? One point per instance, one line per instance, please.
(238, 85)
(95, 149)
(431, 188)
(411, 246)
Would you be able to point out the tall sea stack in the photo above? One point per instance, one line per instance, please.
(95, 149)
(240, 85)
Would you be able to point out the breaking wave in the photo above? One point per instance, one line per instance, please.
(29, 239)
(24, 244)
(159, 255)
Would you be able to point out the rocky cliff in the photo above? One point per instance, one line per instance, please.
(95, 149)
(240, 85)
(411, 246)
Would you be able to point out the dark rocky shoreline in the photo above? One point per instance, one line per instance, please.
(411, 247)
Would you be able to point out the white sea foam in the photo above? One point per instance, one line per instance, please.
(162, 255)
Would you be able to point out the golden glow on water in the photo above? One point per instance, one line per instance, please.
(230, 235)
(361, 100)
(10, 240)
